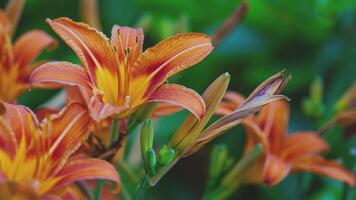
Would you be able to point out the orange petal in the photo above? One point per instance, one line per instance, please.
(128, 42)
(43, 113)
(20, 119)
(53, 73)
(254, 135)
(273, 120)
(232, 100)
(78, 95)
(66, 130)
(169, 57)
(92, 47)
(225, 108)
(275, 170)
(181, 96)
(87, 169)
(234, 97)
(100, 111)
(30, 45)
(4, 22)
(13, 12)
(7, 139)
(164, 109)
(301, 144)
(333, 169)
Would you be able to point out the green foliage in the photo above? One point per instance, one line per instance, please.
(309, 38)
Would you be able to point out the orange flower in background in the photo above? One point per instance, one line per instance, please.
(15, 60)
(117, 75)
(299, 151)
(35, 158)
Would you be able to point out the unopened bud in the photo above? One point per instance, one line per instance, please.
(146, 138)
(151, 161)
(217, 161)
(166, 155)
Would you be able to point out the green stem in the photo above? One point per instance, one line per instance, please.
(139, 194)
(232, 180)
(114, 133)
(98, 189)
(127, 170)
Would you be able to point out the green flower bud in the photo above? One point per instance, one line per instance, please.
(317, 90)
(218, 160)
(166, 155)
(146, 138)
(151, 161)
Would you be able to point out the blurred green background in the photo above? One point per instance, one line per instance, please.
(308, 38)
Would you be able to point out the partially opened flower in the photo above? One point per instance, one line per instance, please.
(35, 158)
(193, 133)
(16, 61)
(118, 76)
(299, 151)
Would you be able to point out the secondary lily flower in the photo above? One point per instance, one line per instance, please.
(35, 158)
(300, 151)
(15, 60)
(118, 76)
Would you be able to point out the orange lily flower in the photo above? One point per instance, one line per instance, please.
(15, 60)
(117, 75)
(35, 158)
(299, 151)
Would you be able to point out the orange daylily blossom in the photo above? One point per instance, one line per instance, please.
(117, 75)
(15, 60)
(299, 151)
(35, 158)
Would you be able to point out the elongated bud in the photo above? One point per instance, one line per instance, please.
(347, 100)
(191, 127)
(146, 138)
(217, 161)
(317, 90)
(166, 155)
(313, 105)
(151, 161)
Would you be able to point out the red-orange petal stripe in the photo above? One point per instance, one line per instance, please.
(66, 130)
(92, 47)
(30, 45)
(53, 74)
(181, 96)
(86, 169)
(169, 57)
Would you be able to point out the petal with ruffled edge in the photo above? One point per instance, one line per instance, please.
(330, 168)
(275, 170)
(54, 74)
(165, 59)
(20, 119)
(301, 144)
(94, 50)
(86, 169)
(30, 45)
(181, 96)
